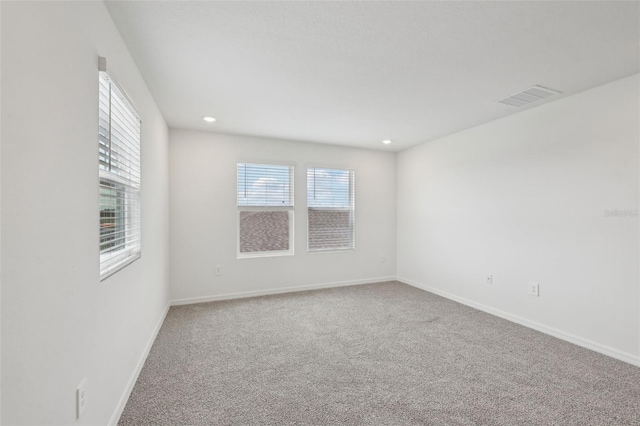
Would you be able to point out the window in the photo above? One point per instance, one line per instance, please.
(330, 209)
(265, 210)
(119, 173)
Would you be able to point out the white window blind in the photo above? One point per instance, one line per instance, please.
(265, 209)
(330, 209)
(265, 185)
(119, 172)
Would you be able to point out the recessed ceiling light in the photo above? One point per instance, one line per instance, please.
(386, 141)
(209, 119)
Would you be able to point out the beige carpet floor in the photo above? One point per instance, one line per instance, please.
(378, 354)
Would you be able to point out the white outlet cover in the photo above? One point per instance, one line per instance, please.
(489, 279)
(534, 289)
(81, 398)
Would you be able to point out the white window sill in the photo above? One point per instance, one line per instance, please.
(264, 254)
(331, 251)
(118, 266)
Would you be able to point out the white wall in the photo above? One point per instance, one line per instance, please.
(0, 215)
(60, 324)
(204, 215)
(523, 198)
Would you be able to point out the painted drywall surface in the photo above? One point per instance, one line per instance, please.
(525, 198)
(204, 216)
(60, 324)
(0, 214)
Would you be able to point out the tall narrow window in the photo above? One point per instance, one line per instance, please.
(265, 210)
(330, 209)
(119, 172)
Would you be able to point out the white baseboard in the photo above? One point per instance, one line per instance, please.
(597, 347)
(245, 294)
(115, 417)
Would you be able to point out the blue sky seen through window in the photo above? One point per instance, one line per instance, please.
(329, 188)
(265, 185)
(272, 185)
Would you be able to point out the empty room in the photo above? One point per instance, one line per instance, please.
(319, 212)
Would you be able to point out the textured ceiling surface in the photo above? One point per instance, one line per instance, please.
(355, 73)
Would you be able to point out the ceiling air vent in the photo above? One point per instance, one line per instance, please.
(529, 96)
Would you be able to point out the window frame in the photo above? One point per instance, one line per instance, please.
(290, 209)
(127, 192)
(352, 209)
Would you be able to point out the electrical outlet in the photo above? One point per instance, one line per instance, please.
(489, 279)
(81, 398)
(534, 289)
(383, 258)
(218, 270)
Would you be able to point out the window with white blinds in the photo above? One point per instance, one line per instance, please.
(265, 209)
(330, 209)
(119, 172)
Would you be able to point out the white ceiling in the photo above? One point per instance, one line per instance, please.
(355, 73)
